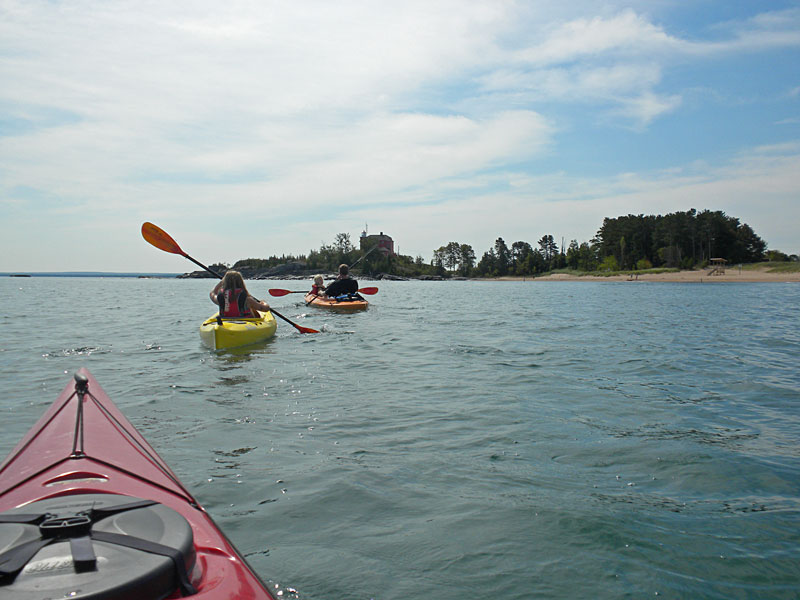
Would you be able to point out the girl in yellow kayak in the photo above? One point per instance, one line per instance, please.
(233, 299)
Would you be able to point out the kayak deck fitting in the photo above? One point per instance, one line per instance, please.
(89, 510)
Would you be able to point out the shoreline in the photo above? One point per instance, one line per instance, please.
(732, 275)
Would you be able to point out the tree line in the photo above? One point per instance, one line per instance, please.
(633, 242)
(329, 256)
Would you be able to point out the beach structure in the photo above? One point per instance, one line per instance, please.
(717, 266)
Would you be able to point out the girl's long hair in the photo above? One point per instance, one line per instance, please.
(232, 280)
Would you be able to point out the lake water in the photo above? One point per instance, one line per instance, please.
(458, 439)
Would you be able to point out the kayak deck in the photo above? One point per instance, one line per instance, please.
(356, 303)
(237, 332)
(83, 448)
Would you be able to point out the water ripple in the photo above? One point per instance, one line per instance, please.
(578, 440)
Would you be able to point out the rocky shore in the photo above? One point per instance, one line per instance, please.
(298, 271)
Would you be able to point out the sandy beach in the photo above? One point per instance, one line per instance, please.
(731, 275)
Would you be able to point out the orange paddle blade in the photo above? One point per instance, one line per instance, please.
(368, 290)
(160, 239)
(302, 329)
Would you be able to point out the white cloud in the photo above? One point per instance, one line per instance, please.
(617, 60)
(762, 32)
(648, 106)
(428, 117)
(583, 38)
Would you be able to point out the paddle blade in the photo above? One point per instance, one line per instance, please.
(368, 291)
(160, 239)
(274, 292)
(302, 329)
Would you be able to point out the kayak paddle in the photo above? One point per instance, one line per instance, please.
(314, 298)
(363, 256)
(278, 292)
(161, 239)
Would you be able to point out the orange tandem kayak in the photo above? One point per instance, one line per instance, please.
(343, 303)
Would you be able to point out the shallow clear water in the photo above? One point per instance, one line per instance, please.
(511, 440)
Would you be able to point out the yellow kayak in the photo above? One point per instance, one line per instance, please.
(237, 332)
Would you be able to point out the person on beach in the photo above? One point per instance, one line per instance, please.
(233, 299)
(318, 287)
(343, 284)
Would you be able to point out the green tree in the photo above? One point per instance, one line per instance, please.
(678, 239)
(777, 256)
(466, 259)
(573, 254)
(502, 257)
(534, 263)
(439, 257)
(487, 266)
(748, 246)
(519, 254)
(549, 250)
(452, 257)
(609, 263)
(587, 257)
(342, 243)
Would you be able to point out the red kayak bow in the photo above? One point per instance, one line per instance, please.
(87, 504)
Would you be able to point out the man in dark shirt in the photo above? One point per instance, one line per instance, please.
(343, 284)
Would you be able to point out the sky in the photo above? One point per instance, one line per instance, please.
(247, 129)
